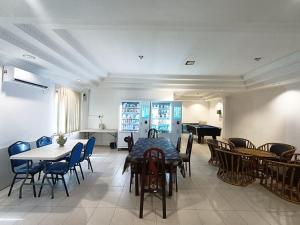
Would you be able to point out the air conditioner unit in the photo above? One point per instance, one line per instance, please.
(13, 74)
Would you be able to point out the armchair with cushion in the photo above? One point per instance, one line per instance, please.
(282, 179)
(284, 152)
(241, 143)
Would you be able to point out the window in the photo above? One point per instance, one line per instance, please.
(67, 105)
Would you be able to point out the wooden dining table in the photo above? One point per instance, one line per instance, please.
(45, 154)
(172, 157)
(259, 156)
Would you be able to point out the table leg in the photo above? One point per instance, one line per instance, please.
(136, 177)
(170, 183)
(23, 182)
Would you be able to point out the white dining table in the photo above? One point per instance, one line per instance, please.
(46, 153)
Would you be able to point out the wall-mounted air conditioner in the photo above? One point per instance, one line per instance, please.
(13, 74)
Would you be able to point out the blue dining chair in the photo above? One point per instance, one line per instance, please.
(43, 141)
(20, 168)
(88, 151)
(63, 167)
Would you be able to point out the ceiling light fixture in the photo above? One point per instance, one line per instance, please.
(190, 62)
(78, 80)
(141, 57)
(257, 59)
(27, 56)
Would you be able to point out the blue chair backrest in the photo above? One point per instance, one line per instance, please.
(43, 141)
(75, 154)
(89, 147)
(17, 148)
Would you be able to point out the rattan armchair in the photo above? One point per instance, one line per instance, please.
(235, 168)
(282, 179)
(241, 143)
(284, 152)
(212, 144)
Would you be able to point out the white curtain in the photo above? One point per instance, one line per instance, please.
(68, 110)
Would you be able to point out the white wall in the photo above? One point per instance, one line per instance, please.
(271, 115)
(215, 119)
(26, 113)
(195, 111)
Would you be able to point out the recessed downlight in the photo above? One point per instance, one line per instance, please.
(78, 80)
(190, 62)
(257, 59)
(27, 56)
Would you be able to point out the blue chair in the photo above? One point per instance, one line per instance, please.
(43, 141)
(88, 151)
(20, 167)
(61, 168)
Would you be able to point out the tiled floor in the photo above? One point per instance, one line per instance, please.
(103, 198)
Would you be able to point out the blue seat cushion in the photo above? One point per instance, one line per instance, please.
(57, 168)
(33, 169)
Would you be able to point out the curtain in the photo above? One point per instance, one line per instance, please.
(68, 110)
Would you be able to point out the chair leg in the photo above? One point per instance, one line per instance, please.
(164, 196)
(142, 199)
(44, 177)
(176, 181)
(89, 163)
(33, 185)
(170, 183)
(136, 178)
(64, 182)
(76, 175)
(12, 184)
(81, 171)
(131, 178)
(189, 168)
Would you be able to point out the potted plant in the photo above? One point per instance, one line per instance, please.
(61, 140)
(101, 125)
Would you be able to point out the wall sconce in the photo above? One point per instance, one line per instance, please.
(219, 112)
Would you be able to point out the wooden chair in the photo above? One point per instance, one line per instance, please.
(130, 142)
(134, 167)
(241, 143)
(153, 133)
(212, 144)
(186, 157)
(153, 177)
(284, 152)
(178, 145)
(282, 179)
(235, 168)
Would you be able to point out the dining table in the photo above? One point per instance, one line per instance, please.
(46, 154)
(259, 157)
(172, 158)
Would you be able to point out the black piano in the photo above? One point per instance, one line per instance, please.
(204, 130)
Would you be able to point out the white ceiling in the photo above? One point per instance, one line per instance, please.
(99, 42)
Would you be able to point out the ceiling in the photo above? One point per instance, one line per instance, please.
(98, 43)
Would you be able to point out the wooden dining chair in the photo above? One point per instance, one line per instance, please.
(153, 176)
(153, 133)
(186, 157)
